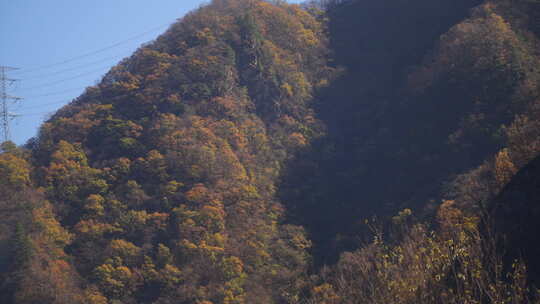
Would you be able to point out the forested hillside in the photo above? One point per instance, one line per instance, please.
(355, 151)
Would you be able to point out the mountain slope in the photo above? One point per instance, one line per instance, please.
(417, 107)
(164, 173)
(244, 155)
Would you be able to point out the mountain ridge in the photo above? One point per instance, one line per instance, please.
(241, 157)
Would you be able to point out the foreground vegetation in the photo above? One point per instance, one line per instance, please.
(261, 152)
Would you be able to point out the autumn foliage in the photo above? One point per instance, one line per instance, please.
(235, 159)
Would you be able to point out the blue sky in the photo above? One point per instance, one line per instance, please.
(62, 46)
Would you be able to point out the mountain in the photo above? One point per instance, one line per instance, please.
(261, 152)
(516, 209)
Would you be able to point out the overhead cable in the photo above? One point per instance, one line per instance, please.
(23, 71)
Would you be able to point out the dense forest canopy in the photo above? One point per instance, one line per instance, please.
(354, 151)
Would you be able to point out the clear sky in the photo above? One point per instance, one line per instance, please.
(62, 46)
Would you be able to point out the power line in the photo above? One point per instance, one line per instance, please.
(64, 101)
(35, 114)
(93, 52)
(45, 104)
(52, 112)
(56, 93)
(5, 115)
(75, 67)
(67, 79)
